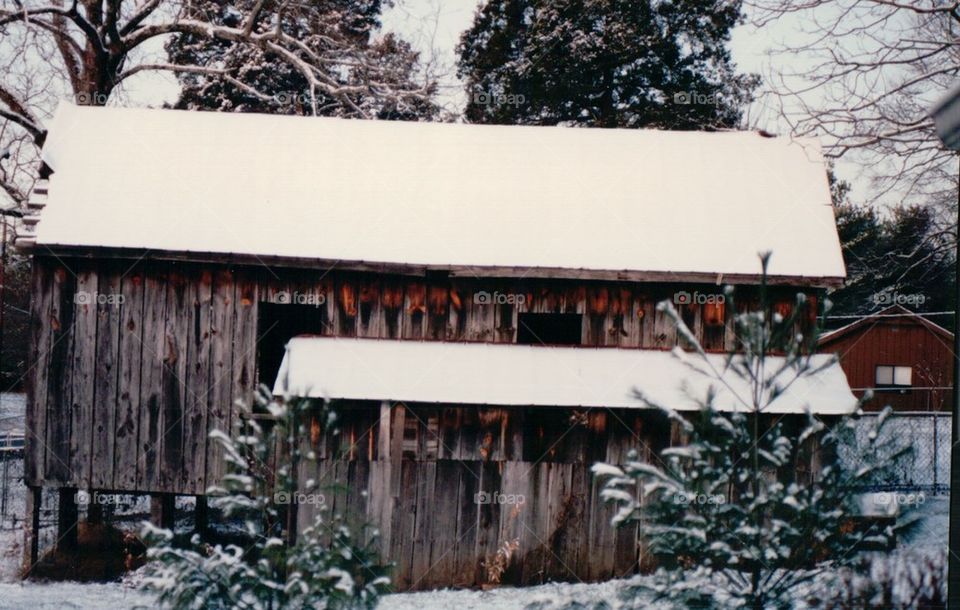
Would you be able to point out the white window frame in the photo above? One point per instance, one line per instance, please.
(893, 376)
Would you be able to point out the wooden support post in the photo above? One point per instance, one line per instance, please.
(31, 528)
(67, 517)
(163, 510)
(94, 510)
(201, 516)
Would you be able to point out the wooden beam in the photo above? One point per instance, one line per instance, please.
(163, 510)
(201, 516)
(31, 528)
(67, 518)
(465, 271)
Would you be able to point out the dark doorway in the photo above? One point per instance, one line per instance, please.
(550, 328)
(277, 324)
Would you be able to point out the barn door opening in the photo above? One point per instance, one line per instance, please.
(277, 323)
(550, 328)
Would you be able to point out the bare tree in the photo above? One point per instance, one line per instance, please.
(86, 49)
(865, 75)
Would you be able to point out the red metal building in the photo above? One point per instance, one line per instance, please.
(903, 357)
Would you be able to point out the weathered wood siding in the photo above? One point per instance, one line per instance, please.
(447, 487)
(134, 362)
(450, 486)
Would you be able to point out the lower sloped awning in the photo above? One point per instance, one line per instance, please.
(522, 375)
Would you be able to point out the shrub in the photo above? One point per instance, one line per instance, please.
(325, 567)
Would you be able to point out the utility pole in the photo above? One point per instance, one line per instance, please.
(946, 118)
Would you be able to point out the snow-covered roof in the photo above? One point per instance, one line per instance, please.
(894, 312)
(522, 375)
(461, 197)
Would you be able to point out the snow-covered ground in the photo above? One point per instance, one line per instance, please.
(934, 516)
(931, 535)
(122, 596)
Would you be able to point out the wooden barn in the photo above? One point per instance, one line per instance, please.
(479, 300)
(904, 358)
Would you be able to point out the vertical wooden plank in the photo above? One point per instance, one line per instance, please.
(244, 340)
(577, 538)
(380, 508)
(594, 322)
(173, 377)
(730, 328)
(428, 435)
(626, 548)
(514, 518)
(505, 318)
(488, 521)
(328, 305)
(691, 314)
(460, 295)
(422, 531)
(370, 311)
(714, 317)
(130, 351)
(560, 521)
(513, 434)
(664, 330)
(31, 527)
(602, 537)
(198, 391)
(467, 446)
(308, 476)
(383, 432)
(612, 331)
(414, 311)
(448, 427)
(38, 363)
(391, 302)
(631, 322)
(347, 305)
(82, 376)
(600, 424)
(465, 560)
(405, 519)
(222, 305)
(109, 308)
(397, 427)
(646, 315)
(530, 563)
(444, 524)
(151, 375)
(573, 443)
(438, 302)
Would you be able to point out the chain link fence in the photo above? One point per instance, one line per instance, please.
(926, 464)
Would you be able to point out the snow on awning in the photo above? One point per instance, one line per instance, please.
(521, 375)
(473, 198)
